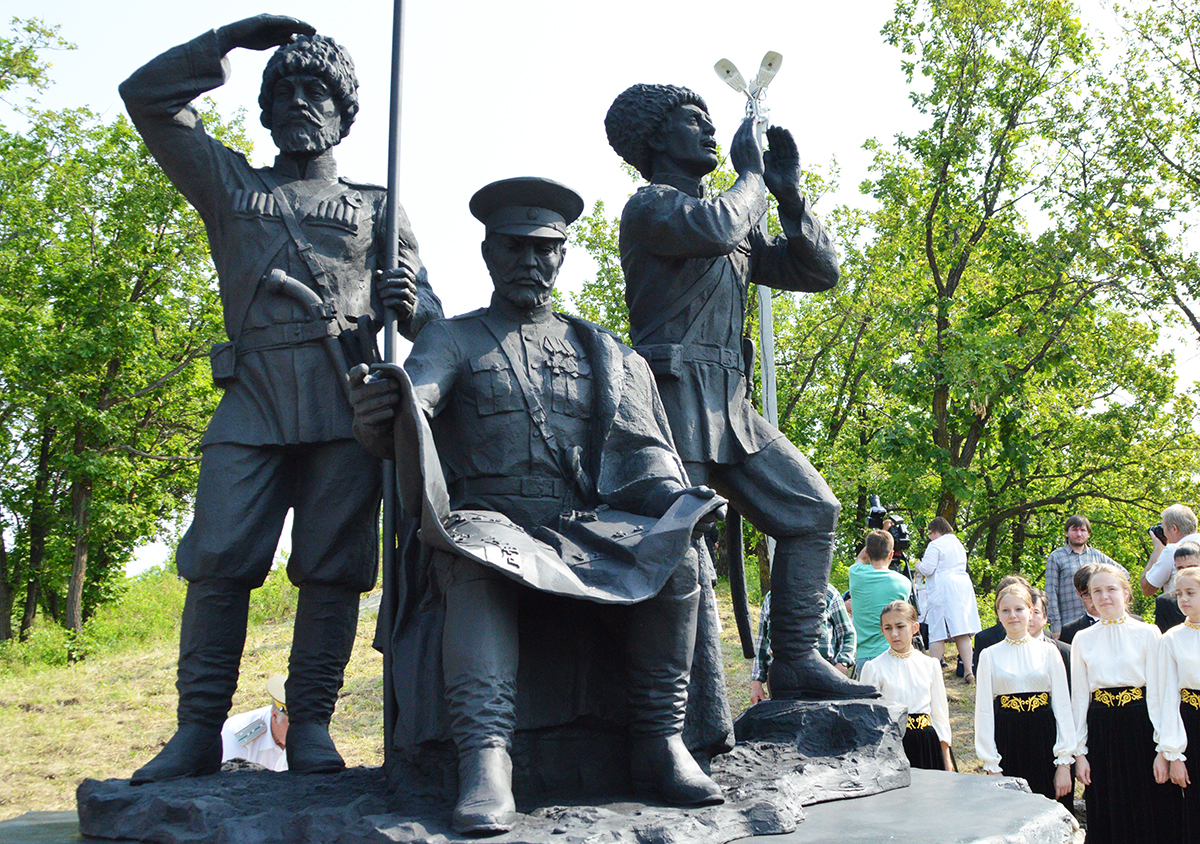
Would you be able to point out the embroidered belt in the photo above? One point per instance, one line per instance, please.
(1191, 697)
(1025, 702)
(919, 721)
(1119, 697)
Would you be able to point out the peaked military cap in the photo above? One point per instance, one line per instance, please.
(276, 688)
(527, 205)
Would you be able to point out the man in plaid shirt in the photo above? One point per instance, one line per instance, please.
(1063, 603)
(835, 641)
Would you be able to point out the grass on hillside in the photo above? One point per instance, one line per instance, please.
(110, 713)
(105, 716)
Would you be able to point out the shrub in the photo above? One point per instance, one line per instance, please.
(47, 645)
(148, 612)
(275, 601)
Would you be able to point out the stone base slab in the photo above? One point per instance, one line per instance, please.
(939, 808)
(791, 755)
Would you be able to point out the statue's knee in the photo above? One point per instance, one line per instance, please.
(819, 514)
(685, 577)
(828, 511)
(455, 572)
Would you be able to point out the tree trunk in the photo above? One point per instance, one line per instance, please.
(81, 511)
(1018, 541)
(6, 595)
(39, 528)
(948, 507)
(50, 605)
(764, 564)
(989, 552)
(718, 547)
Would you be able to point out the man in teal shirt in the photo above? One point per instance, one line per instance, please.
(872, 587)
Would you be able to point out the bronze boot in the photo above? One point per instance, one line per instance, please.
(662, 639)
(799, 575)
(485, 799)
(479, 663)
(212, 633)
(322, 640)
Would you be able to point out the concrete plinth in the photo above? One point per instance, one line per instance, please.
(938, 808)
(802, 772)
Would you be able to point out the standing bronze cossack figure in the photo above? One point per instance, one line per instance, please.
(297, 251)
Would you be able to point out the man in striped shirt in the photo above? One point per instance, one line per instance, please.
(835, 641)
(1063, 603)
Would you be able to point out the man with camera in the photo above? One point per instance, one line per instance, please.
(1178, 526)
(1062, 601)
(873, 585)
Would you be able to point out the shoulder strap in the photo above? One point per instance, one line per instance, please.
(252, 279)
(292, 232)
(692, 294)
(291, 220)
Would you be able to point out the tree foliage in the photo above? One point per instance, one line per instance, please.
(1149, 149)
(108, 306)
(985, 356)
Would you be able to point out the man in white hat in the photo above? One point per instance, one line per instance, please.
(260, 735)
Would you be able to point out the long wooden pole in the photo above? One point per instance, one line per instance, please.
(391, 354)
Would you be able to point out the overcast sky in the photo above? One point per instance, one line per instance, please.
(500, 89)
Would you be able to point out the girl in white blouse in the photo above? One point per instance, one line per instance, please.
(1023, 723)
(910, 678)
(1115, 685)
(1179, 667)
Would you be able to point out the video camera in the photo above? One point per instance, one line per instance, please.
(878, 518)
(878, 515)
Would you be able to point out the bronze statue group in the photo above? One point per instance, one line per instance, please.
(553, 481)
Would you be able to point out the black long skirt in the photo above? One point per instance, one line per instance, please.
(1124, 803)
(922, 745)
(1191, 794)
(1025, 740)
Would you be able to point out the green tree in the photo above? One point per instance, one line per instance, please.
(108, 305)
(982, 357)
(1029, 386)
(1146, 155)
(602, 297)
(21, 65)
(991, 74)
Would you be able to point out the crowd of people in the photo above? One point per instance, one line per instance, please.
(1069, 685)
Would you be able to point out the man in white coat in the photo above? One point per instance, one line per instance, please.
(260, 735)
